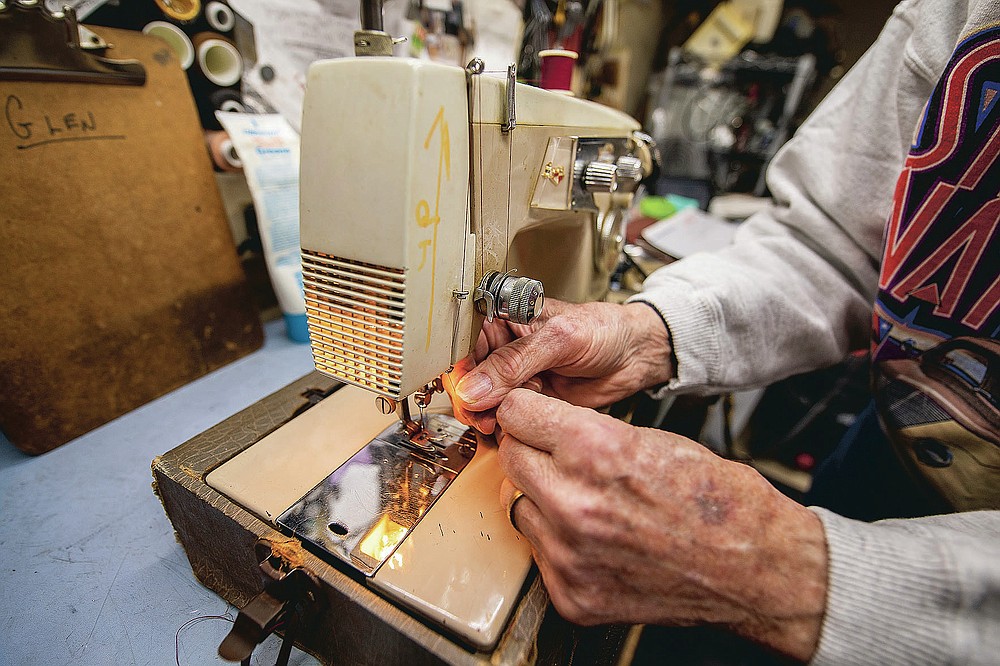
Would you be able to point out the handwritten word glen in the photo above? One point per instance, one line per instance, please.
(36, 128)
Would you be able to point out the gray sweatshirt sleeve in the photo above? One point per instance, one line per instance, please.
(795, 290)
(917, 591)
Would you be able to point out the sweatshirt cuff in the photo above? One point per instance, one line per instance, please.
(695, 331)
(886, 595)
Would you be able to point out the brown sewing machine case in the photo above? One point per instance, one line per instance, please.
(352, 623)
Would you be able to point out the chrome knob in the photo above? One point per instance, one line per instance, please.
(600, 177)
(526, 299)
(629, 173)
(509, 297)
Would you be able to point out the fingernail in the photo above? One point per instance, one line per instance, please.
(474, 387)
(533, 384)
(486, 425)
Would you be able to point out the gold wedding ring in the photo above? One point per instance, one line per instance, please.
(518, 494)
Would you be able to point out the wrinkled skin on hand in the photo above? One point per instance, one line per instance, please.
(642, 526)
(591, 354)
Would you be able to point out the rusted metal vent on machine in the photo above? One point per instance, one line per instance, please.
(355, 312)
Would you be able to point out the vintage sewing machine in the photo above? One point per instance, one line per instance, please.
(432, 198)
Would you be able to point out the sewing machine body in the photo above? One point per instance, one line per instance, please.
(412, 191)
(396, 235)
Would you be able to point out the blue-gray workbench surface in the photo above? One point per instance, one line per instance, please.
(90, 570)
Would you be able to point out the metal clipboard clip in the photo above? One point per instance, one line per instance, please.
(38, 45)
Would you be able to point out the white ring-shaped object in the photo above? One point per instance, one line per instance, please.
(175, 38)
(229, 154)
(232, 106)
(220, 16)
(220, 62)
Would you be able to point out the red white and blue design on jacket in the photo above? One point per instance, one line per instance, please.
(940, 275)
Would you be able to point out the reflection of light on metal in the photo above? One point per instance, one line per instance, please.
(396, 561)
(382, 539)
(440, 484)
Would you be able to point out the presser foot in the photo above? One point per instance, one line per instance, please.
(417, 429)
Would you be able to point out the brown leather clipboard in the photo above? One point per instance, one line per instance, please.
(119, 280)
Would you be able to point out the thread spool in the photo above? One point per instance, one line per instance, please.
(557, 69)
(224, 156)
(180, 10)
(228, 101)
(220, 16)
(175, 38)
(217, 99)
(218, 59)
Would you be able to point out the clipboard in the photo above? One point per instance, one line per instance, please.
(119, 279)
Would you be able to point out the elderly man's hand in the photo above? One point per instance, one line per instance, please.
(591, 354)
(641, 526)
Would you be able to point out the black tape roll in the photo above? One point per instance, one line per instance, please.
(219, 99)
(228, 99)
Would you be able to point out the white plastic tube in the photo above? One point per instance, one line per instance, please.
(175, 38)
(220, 62)
(220, 16)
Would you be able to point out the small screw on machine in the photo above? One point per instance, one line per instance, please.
(385, 405)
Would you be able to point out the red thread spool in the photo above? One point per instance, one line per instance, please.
(557, 69)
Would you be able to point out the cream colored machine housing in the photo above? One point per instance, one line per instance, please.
(411, 191)
(397, 233)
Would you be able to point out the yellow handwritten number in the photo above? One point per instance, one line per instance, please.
(423, 254)
(424, 217)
